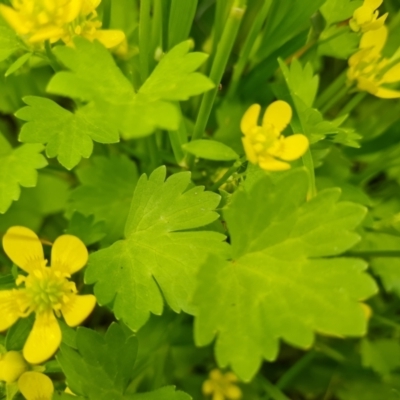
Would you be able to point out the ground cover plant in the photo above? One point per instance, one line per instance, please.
(199, 199)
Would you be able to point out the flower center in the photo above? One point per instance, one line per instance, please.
(265, 140)
(47, 289)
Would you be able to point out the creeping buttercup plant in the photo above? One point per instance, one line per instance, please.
(199, 199)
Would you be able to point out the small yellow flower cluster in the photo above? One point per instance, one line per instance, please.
(222, 386)
(37, 21)
(46, 290)
(264, 145)
(33, 385)
(368, 69)
(365, 18)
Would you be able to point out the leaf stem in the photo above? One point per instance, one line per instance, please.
(295, 369)
(385, 321)
(51, 58)
(218, 67)
(236, 165)
(177, 139)
(247, 47)
(331, 90)
(144, 38)
(309, 165)
(334, 100)
(353, 103)
(273, 391)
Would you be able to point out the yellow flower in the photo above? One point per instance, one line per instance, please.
(12, 366)
(264, 144)
(35, 386)
(46, 291)
(370, 70)
(222, 386)
(32, 384)
(40, 20)
(365, 18)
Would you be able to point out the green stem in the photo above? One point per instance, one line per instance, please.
(309, 165)
(374, 253)
(177, 139)
(247, 47)
(51, 58)
(237, 164)
(334, 99)
(144, 38)
(331, 90)
(295, 370)
(273, 391)
(329, 352)
(385, 321)
(152, 150)
(106, 14)
(217, 70)
(353, 103)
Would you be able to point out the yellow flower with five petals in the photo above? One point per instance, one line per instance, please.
(37, 21)
(370, 70)
(222, 386)
(32, 384)
(365, 18)
(45, 291)
(265, 145)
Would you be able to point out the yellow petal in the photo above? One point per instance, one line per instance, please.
(36, 386)
(9, 310)
(218, 395)
(374, 39)
(392, 75)
(384, 93)
(367, 85)
(374, 25)
(12, 365)
(374, 4)
(278, 114)
(51, 33)
(68, 254)
(249, 150)
(14, 19)
(23, 247)
(233, 393)
(88, 6)
(363, 14)
(269, 163)
(44, 339)
(250, 118)
(78, 309)
(72, 10)
(110, 38)
(208, 387)
(294, 147)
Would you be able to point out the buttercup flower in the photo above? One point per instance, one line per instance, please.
(45, 291)
(370, 70)
(39, 20)
(365, 18)
(32, 384)
(264, 144)
(222, 386)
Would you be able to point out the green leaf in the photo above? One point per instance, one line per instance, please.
(382, 355)
(69, 136)
(102, 367)
(301, 81)
(388, 269)
(106, 191)
(16, 65)
(302, 87)
(161, 253)
(210, 150)
(339, 42)
(283, 280)
(9, 41)
(86, 229)
(339, 10)
(17, 168)
(102, 82)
